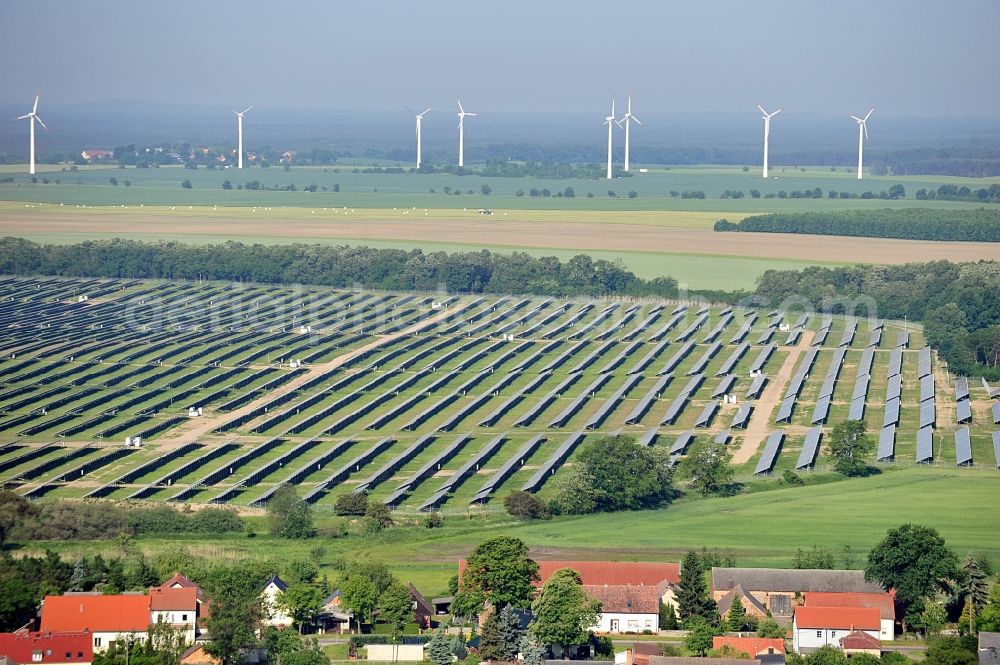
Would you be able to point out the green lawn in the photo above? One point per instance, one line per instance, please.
(763, 527)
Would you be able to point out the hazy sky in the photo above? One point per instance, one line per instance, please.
(905, 57)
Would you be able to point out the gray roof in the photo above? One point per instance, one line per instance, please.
(989, 648)
(683, 660)
(726, 602)
(777, 579)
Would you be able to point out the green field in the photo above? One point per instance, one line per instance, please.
(162, 186)
(763, 528)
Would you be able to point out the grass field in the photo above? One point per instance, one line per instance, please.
(763, 528)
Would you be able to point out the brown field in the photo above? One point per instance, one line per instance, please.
(530, 229)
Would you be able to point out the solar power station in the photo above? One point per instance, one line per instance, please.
(220, 393)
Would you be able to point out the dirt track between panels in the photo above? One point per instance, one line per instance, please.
(494, 232)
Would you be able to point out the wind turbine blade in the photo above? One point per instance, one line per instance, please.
(22, 117)
(869, 113)
(472, 114)
(776, 113)
(425, 111)
(409, 109)
(636, 119)
(35, 109)
(865, 127)
(762, 109)
(40, 122)
(246, 109)
(857, 118)
(460, 105)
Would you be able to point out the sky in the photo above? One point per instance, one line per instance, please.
(905, 57)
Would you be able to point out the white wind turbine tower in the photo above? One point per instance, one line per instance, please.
(627, 119)
(461, 132)
(420, 117)
(32, 119)
(239, 126)
(862, 135)
(610, 121)
(767, 132)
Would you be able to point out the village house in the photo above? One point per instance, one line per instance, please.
(106, 619)
(662, 576)
(814, 627)
(858, 641)
(755, 647)
(177, 607)
(274, 614)
(24, 647)
(885, 602)
(626, 608)
(422, 609)
(92, 154)
(779, 591)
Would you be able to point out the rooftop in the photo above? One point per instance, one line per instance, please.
(123, 613)
(838, 618)
(792, 580)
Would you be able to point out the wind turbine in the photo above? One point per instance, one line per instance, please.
(32, 119)
(420, 117)
(767, 132)
(862, 135)
(239, 126)
(610, 121)
(461, 132)
(627, 119)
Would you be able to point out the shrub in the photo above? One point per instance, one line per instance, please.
(351, 504)
(525, 505)
(792, 478)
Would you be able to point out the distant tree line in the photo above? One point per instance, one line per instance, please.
(341, 266)
(989, 194)
(959, 303)
(979, 225)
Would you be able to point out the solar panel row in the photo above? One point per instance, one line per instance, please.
(886, 444)
(730, 363)
(770, 455)
(963, 447)
(647, 400)
(810, 448)
(742, 416)
(925, 445)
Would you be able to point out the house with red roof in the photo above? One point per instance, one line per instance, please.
(858, 641)
(176, 606)
(813, 627)
(663, 576)
(885, 602)
(625, 608)
(752, 646)
(105, 618)
(26, 648)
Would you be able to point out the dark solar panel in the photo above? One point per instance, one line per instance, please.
(886, 444)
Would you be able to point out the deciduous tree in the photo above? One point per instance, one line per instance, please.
(915, 561)
(563, 611)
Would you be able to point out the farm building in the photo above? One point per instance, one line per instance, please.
(814, 627)
(777, 589)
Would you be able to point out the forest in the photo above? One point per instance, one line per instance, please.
(979, 225)
(958, 303)
(340, 266)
